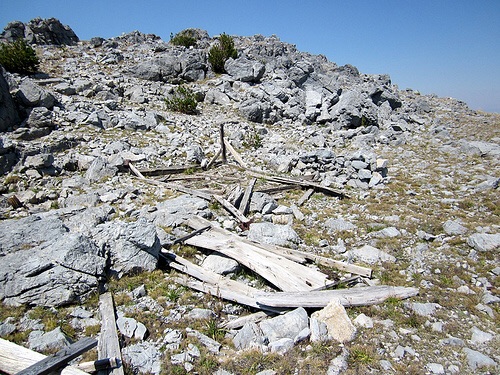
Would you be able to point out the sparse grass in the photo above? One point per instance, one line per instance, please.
(214, 330)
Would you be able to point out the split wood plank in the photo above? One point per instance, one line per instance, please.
(169, 170)
(231, 209)
(109, 345)
(245, 201)
(235, 154)
(305, 197)
(61, 358)
(283, 273)
(183, 265)
(214, 158)
(301, 182)
(15, 358)
(172, 186)
(222, 144)
(364, 296)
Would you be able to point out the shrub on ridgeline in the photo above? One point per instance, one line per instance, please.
(184, 38)
(183, 100)
(220, 52)
(18, 57)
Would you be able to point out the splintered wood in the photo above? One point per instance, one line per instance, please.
(299, 284)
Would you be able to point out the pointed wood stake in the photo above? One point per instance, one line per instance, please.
(223, 144)
(246, 197)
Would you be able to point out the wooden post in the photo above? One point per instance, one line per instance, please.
(61, 358)
(246, 197)
(223, 144)
(109, 346)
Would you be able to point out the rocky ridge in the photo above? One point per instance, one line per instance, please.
(422, 173)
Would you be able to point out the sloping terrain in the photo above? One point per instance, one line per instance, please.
(420, 173)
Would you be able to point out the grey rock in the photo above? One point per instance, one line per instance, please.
(480, 337)
(80, 312)
(386, 365)
(39, 161)
(220, 264)
(143, 357)
(131, 246)
(261, 200)
(273, 234)
(363, 321)
(65, 88)
(49, 31)
(100, 169)
(369, 254)
(195, 154)
(389, 232)
(8, 112)
(242, 69)
(40, 117)
(32, 95)
(281, 346)
(302, 335)
(477, 360)
(198, 313)
(454, 228)
(53, 274)
(423, 309)
(288, 325)
(215, 96)
(249, 337)
(53, 340)
(338, 225)
(339, 364)
(212, 345)
(6, 328)
(127, 326)
(484, 242)
(174, 212)
(435, 368)
(319, 330)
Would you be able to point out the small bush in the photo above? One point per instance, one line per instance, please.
(183, 100)
(220, 52)
(184, 38)
(19, 57)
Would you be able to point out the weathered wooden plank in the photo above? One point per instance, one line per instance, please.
(303, 183)
(214, 158)
(307, 194)
(191, 269)
(235, 154)
(227, 294)
(231, 209)
(61, 358)
(136, 171)
(222, 143)
(169, 170)
(109, 345)
(285, 274)
(241, 321)
(100, 364)
(245, 201)
(15, 358)
(365, 296)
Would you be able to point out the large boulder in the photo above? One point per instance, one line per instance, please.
(245, 70)
(45, 265)
(8, 113)
(32, 95)
(49, 31)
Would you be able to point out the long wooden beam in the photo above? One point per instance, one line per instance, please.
(364, 296)
(109, 346)
(15, 358)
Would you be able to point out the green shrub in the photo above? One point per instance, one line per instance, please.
(220, 52)
(183, 100)
(18, 57)
(184, 38)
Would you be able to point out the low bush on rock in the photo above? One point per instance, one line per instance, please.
(183, 100)
(184, 38)
(220, 52)
(18, 57)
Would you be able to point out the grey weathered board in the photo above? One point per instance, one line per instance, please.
(109, 346)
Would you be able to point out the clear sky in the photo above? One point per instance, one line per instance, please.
(446, 47)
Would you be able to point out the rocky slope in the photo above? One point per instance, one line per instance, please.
(422, 174)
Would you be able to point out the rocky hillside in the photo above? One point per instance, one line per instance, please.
(99, 179)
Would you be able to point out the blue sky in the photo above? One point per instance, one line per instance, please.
(445, 47)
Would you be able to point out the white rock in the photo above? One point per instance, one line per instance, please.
(370, 255)
(363, 321)
(339, 326)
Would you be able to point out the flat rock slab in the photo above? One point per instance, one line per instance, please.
(370, 255)
(484, 242)
(338, 324)
(288, 325)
